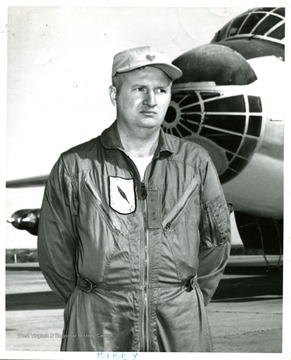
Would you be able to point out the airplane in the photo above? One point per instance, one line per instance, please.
(230, 100)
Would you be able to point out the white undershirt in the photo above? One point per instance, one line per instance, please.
(141, 163)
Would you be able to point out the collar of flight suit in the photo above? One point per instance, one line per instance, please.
(110, 139)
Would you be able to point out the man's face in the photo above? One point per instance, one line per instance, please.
(143, 98)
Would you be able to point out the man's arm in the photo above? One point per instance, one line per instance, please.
(56, 236)
(215, 237)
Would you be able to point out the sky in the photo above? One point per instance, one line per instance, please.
(59, 70)
(59, 62)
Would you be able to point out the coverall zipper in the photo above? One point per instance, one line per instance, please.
(145, 267)
(145, 285)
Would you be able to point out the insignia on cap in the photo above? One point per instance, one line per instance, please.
(151, 57)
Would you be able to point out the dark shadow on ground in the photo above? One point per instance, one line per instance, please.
(251, 283)
(34, 301)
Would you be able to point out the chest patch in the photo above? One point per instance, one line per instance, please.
(122, 195)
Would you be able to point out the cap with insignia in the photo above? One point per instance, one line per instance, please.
(135, 58)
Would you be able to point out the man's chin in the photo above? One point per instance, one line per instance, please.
(151, 121)
(150, 125)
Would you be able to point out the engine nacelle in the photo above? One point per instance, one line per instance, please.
(26, 219)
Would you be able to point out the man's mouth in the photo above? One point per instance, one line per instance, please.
(148, 112)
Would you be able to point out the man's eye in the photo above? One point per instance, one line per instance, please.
(161, 90)
(141, 89)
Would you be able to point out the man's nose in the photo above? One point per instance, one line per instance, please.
(150, 99)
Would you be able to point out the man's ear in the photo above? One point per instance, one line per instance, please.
(112, 94)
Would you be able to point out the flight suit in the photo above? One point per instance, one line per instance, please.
(136, 262)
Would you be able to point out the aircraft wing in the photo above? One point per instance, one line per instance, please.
(27, 182)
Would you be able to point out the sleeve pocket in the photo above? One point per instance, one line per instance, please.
(215, 224)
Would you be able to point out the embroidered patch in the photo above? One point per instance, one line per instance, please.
(122, 195)
(151, 57)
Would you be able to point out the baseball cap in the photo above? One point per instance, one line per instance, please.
(135, 58)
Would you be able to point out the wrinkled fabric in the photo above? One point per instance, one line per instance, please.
(151, 253)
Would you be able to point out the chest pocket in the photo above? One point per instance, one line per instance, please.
(94, 198)
(182, 206)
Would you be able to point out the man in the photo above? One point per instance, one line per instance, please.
(134, 232)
